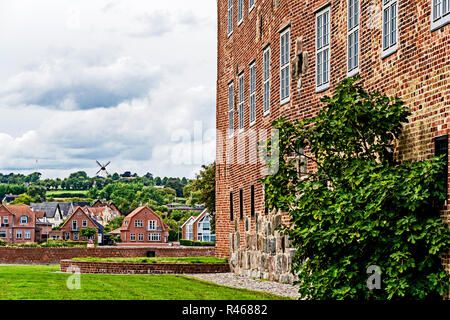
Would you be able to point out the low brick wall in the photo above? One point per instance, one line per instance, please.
(142, 268)
(55, 255)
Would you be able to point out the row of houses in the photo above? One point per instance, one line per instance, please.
(56, 212)
(66, 221)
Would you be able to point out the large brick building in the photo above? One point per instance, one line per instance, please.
(279, 58)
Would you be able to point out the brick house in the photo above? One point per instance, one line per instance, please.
(278, 59)
(102, 214)
(143, 226)
(53, 213)
(198, 228)
(18, 224)
(79, 219)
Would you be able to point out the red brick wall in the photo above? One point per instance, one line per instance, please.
(144, 268)
(10, 255)
(419, 73)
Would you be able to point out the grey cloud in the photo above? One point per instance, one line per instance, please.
(68, 84)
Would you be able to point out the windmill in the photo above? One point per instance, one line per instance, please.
(102, 172)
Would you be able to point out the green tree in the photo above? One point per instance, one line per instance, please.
(88, 232)
(37, 192)
(23, 199)
(114, 223)
(360, 208)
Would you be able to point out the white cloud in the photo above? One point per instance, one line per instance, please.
(77, 87)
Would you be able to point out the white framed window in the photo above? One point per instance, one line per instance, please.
(323, 49)
(251, 5)
(154, 237)
(230, 17)
(189, 231)
(353, 37)
(5, 220)
(266, 67)
(140, 237)
(23, 220)
(84, 223)
(138, 223)
(2, 233)
(132, 237)
(240, 11)
(440, 13)
(390, 27)
(252, 94)
(27, 234)
(151, 224)
(19, 234)
(66, 236)
(284, 66)
(230, 109)
(241, 102)
(76, 236)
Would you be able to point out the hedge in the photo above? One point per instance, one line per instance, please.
(192, 243)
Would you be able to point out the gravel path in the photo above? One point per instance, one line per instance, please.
(241, 282)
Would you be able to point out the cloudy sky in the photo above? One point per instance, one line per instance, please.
(126, 81)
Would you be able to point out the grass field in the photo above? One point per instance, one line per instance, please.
(44, 283)
(56, 193)
(157, 260)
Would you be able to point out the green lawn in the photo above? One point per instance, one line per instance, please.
(157, 260)
(42, 282)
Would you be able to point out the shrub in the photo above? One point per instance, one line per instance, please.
(192, 243)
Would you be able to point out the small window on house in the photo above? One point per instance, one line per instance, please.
(5, 220)
(390, 27)
(440, 13)
(141, 237)
(323, 49)
(240, 11)
(27, 234)
(252, 200)
(266, 80)
(284, 66)
(252, 94)
(151, 225)
(76, 236)
(132, 237)
(19, 234)
(230, 17)
(241, 102)
(138, 223)
(84, 223)
(231, 207)
(353, 38)
(23, 220)
(230, 109)
(241, 203)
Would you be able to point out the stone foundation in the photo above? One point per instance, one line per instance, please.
(264, 252)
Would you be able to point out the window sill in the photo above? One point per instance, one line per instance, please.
(240, 22)
(285, 101)
(252, 124)
(251, 9)
(440, 23)
(265, 114)
(323, 88)
(389, 52)
(352, 73)
(229, 35)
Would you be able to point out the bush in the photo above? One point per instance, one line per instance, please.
(192, 243)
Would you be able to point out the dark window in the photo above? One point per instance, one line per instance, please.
(252, 200)
(241, 203)
(231, 206)
(440, 148)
